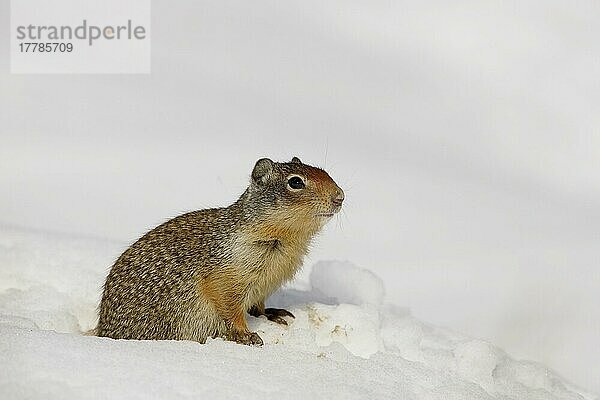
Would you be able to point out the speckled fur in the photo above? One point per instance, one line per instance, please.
(196, 275)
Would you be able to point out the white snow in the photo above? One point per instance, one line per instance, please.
(346, 341)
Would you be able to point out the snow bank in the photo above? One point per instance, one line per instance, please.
(344, 343)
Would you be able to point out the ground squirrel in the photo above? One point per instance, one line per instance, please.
(196, 275)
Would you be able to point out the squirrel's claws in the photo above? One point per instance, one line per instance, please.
(277, 319)
(247, 338)
(255, 340)
(276, 315)
(278, 312)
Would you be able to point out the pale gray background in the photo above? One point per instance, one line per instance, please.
(466, 136)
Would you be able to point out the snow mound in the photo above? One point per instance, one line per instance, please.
(345, 342)
(346, 283)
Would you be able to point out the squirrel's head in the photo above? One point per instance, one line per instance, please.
(294, 194)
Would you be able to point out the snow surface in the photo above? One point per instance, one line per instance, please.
(346, 341)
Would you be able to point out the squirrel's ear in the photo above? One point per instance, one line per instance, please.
(296, 160)
(262, 170)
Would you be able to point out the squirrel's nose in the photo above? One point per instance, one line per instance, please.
(338, 198)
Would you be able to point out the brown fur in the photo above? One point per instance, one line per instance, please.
(196, 275)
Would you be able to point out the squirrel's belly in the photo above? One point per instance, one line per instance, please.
(269, 274)
(266, 262)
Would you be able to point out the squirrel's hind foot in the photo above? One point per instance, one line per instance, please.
(245, 337)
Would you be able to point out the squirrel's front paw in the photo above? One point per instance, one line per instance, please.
(245, 337)
(277, 314)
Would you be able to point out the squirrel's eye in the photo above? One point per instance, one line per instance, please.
(295, 182)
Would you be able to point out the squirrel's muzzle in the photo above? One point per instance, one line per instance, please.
(338, 198)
